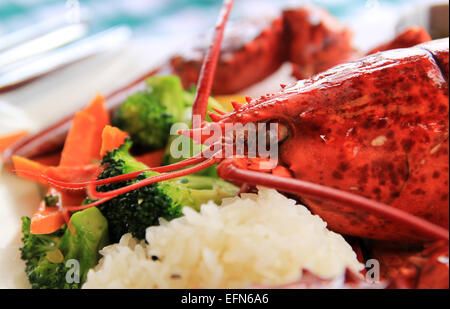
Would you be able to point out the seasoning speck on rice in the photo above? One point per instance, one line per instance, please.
(257, 239)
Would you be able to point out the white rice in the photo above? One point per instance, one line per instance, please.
(258, 239)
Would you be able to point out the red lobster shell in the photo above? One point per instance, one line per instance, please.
(377, 127)
(308, 37)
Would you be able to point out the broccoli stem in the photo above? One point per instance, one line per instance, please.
(204, 188)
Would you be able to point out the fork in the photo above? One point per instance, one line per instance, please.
(39, 50)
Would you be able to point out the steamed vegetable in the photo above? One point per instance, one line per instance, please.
(8, 140)
(148, 115)
(82, 145)
(62, 259)
(136, 210)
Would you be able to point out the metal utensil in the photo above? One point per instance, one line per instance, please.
(44, 43)
(26, 68)
(36, 30)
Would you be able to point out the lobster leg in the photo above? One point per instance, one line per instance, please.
(423, 229)
(412, 266)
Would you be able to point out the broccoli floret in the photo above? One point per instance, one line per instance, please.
(136, 210)
(49, 257)
(41, 272)
(148, 115)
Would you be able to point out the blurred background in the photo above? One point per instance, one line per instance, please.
(122, 40)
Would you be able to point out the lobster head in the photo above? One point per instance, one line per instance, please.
(376, 127)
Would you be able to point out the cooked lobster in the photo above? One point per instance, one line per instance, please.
(364, 145)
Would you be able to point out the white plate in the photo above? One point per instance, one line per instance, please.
(70, 89)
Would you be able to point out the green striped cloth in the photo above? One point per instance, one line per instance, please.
(155, 17)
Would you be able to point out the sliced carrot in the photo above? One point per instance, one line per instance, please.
(112, 138)
(33, 169)
(81, 150)
(83, 141)
(80, 141)
(72, 174)
(8, 140)
(47, 219)
(152, 159)
(98, 110)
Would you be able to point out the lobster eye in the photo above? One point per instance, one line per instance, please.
(283, 131)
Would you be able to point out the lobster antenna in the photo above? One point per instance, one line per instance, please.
(199, 108)
(81, 185)
(148, 181)
(296, 186)
(208, 69)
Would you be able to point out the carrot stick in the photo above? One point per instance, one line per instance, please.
(98, 110)
(8, 140)
(72, 174)
(83, 142)
(80, 141)
(81, 149)
(112, 138)
(33, 169)
(47, 219)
